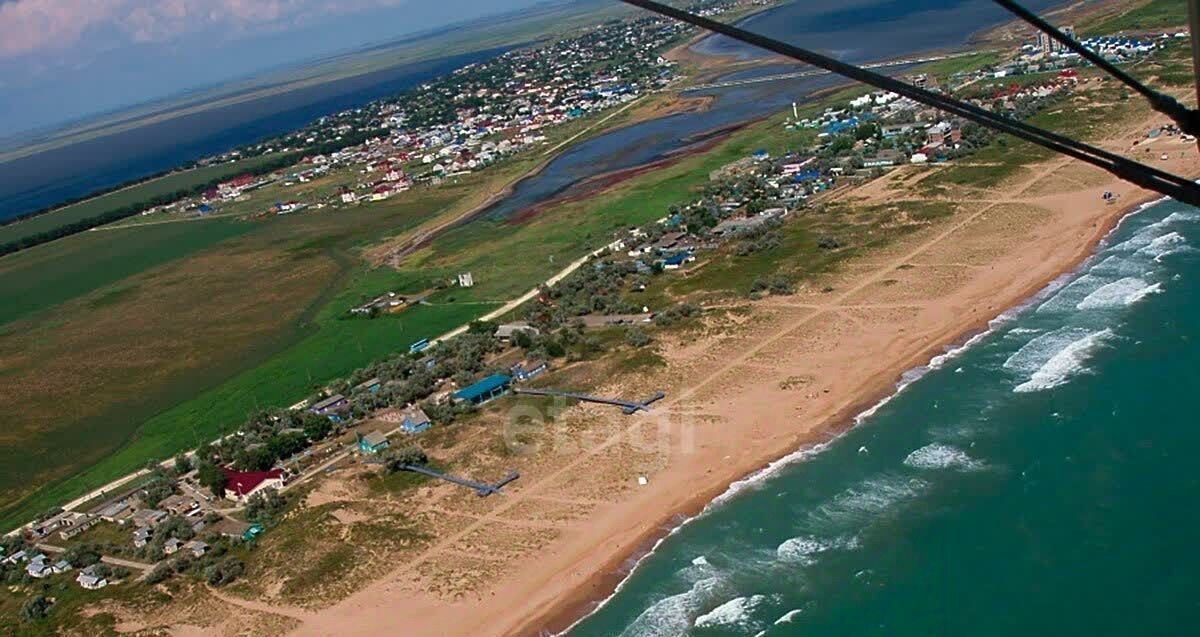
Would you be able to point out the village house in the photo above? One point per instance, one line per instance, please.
(414, 420)
(373, 443)
(141, 537)
(179, 504)
(148, 518)
(90, 579)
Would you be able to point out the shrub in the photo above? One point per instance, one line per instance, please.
(224, 572)
(637, 337)
(35, 608)
(159, 573)
(828, 243)
(397, 459)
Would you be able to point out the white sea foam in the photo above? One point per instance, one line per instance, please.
(857, 507)
(672, 616)
(942, 456)
(735, 613)
(700, 561)
(803, 550)
(1118, 294)
(1066, 363)
(1070, 294)
(1041, 349)
(1161, 246)
(789, 616)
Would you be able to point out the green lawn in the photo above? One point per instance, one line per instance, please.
(135, 194)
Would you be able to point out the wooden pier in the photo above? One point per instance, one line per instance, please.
(481, 489)
(628, 407)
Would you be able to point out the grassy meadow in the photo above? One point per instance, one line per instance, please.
(1152, 14)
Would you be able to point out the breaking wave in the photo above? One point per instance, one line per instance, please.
(857, 506)
(1121, 293)
(734, 613)
(804, 550)
(1065, 363)
(672, 616)
(941, 456)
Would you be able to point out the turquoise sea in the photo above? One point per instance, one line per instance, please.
(1040, 479)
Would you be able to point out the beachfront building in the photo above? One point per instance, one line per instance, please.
(414, 421)
(373, 443)
(484, 390)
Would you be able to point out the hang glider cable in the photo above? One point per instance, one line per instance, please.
(1146, 176)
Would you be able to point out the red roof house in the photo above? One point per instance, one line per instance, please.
(240, 485)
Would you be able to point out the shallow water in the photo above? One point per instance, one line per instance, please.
(1038, 482)
(861, 32)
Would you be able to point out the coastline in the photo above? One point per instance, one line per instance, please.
(610, 576)
(1046, 223)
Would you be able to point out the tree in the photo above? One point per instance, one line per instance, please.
(35, 608)
(485, 328)
(82, 555)
(157, 490)
(173, 527)
(183, 464)
(211, 476)
(265, 506)
(316, 427)
(397, 459)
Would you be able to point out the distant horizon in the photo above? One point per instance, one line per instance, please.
(26, 119)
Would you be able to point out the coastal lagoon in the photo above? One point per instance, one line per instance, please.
(859, 32)
(1035, 480)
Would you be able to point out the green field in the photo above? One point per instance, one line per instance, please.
(59, 271)
(174, 182)
(1155, 14)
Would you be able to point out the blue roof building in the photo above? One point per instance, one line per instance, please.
(484, 390)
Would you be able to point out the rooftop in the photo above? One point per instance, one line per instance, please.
(483, 387)
(243, 482)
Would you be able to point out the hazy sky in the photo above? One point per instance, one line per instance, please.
(62, 59)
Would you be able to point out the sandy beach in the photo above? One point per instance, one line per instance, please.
(756, 382)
